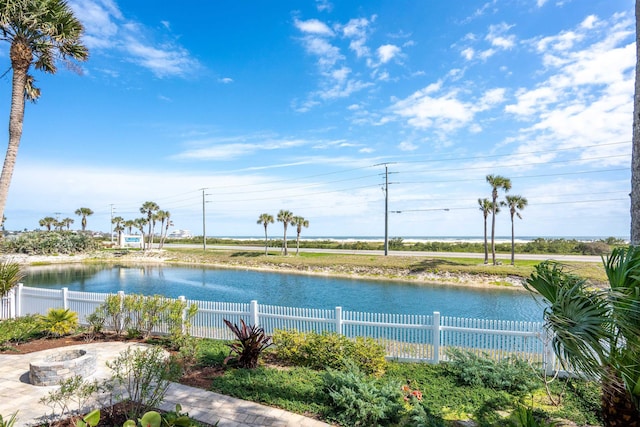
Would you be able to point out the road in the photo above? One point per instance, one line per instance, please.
(502, 257)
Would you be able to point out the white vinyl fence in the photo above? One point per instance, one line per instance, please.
(423, 338)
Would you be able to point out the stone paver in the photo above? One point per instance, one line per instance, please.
(17, 394)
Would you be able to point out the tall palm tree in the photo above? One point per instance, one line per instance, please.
(84, 213)
(486, 207)
(162, 216)
(265, 219)
(299, 222)
(39, 32)
(285, 218)
(515, 204)
(118, 227)
(48, 222)
(496, 182)
(149, 208)
(635, 150)
(596, 331)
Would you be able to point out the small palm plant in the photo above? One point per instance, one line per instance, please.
(10, 274)
(597, 331)
(252, 341)
(59, 322)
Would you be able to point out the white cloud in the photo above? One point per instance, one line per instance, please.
(228, 148)
(590, 22)
(225, 80)
(313, 26)
(407, 146)
(498, 38)
(387, 52)
(107, 28)
(357, 31)
(468, 53)
(540, 3)
(323, 5)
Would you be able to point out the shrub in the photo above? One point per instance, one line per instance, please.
(9, 422)
(509, 374)
(72, 390)
(252, 341)
(50, 243)
(329, 350)
(19, 330)
(142, 377)
(358, 400)
(59, 322)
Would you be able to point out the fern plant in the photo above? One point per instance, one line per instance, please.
(59, 322)
(252, 341)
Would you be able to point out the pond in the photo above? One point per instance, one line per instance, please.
(291, 290)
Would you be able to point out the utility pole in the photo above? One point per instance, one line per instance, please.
(386, 206)
(386, 210)
(204, 220)
(204, 224)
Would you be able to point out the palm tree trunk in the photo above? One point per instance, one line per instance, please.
(513, 244)
(21, 57)
(486, 248)
(285, 240)
(298, 244)
(265, 240)
(618, 407)
(493, 232)
(635, 156)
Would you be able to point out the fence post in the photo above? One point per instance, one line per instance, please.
(339, 320)
(120, 325)
(10, 305)
(254, 313)
(18, 300)
(436, 336)
(65, 298)
(183, 319)
(549, 357)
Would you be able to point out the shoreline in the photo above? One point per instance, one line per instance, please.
(444, 278)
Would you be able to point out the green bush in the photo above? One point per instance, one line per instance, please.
(50, 243)
(509, 374)
(58, 322)
(329, 350)
(10, 275)
(21, 329)
(359, 400)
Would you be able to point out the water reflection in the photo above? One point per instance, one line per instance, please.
(196, 282)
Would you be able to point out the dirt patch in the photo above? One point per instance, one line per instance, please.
(47, 343)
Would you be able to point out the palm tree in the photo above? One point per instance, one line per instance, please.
(47, 221)
(285, 218)
(118, 227)
(496, 182)
(635, 150)
(66, 222)
(299, 222)
(39, 33)
(84, 213)
(595, 331)
(140, 223)
(149, 208)
(162, 216)
(515, 204)
(265, 219)
(486, 207)
(129, 224)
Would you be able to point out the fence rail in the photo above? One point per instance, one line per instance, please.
(405, 337)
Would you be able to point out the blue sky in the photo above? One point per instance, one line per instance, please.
(295, 105)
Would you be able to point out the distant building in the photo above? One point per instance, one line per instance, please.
(180, 234)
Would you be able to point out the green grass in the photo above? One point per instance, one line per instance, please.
(375, 266)
(299, 390)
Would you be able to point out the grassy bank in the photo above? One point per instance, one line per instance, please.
(441, 269)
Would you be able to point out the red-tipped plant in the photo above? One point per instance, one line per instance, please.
(252, 341)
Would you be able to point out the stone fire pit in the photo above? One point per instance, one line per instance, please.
(61, 366)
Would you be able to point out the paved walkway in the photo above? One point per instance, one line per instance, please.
(17, 394)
